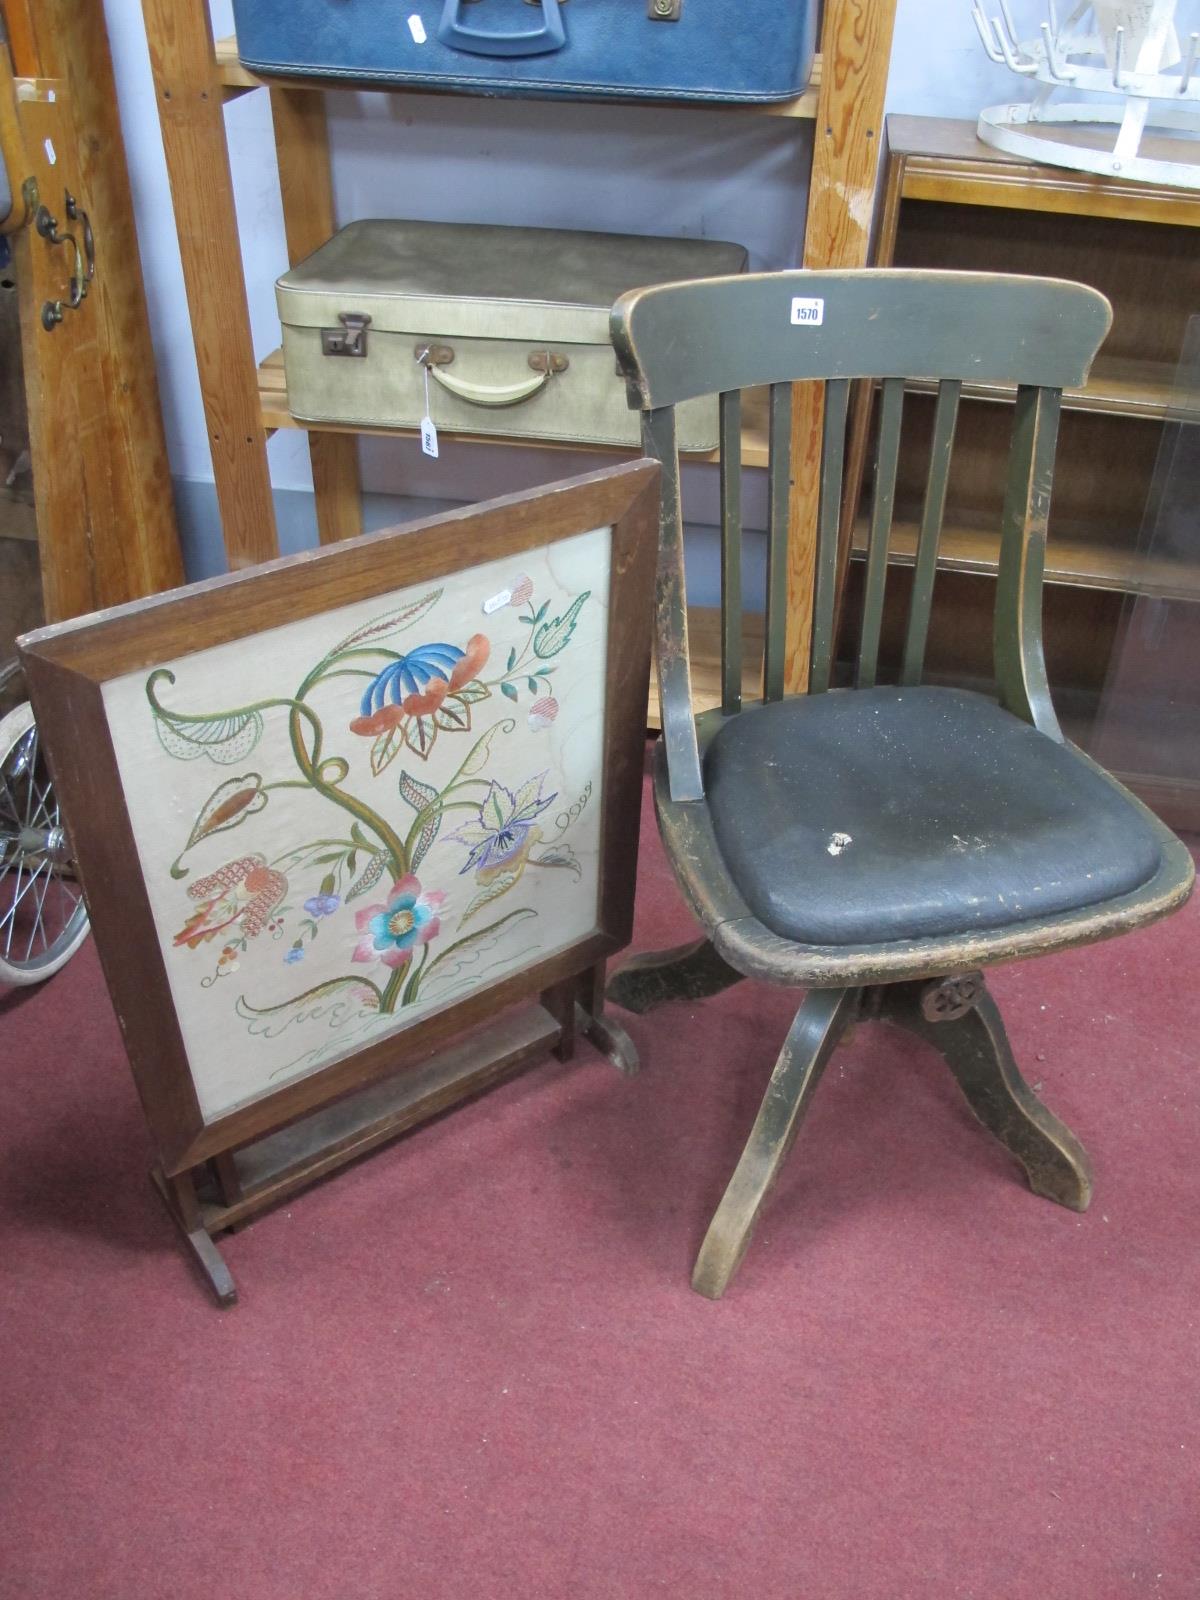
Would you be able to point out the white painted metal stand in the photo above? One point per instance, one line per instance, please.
(1128, 49)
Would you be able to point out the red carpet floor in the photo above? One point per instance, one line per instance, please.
(472, 1365)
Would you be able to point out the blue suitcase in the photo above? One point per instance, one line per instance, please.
(731, 50)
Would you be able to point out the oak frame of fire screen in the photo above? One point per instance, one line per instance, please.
(92, 678)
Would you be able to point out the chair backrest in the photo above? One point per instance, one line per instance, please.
(723, 335)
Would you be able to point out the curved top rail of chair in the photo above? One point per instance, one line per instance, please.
(778, 327)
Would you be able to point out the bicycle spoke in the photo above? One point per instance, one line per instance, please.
(7, 921)
(38, 923)
(31, 773)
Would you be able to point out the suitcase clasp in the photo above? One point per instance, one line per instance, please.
(350, 339)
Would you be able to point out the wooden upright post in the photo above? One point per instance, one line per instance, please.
(305, 183)
(856, 46)
(190, 108)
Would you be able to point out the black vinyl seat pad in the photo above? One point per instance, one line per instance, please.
(870, 816)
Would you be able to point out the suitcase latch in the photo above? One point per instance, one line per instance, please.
(664, 10)
(348, 340)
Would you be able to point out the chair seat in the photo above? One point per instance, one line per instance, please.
(874, 815)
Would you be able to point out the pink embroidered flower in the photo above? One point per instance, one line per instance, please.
(521, 590)
(543, 712)
(391, 932)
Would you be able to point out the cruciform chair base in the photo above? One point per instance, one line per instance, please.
(687, 972)
(961, 1020)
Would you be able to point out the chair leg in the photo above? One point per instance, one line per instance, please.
(687, 972)
(819, 1024)
(976, 1048)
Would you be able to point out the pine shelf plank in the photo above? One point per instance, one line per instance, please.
(1073, 562)
(1117, 385)
(945, 160)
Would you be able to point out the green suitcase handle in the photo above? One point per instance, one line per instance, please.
(545, 364)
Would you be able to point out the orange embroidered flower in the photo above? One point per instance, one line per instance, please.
(242, 894)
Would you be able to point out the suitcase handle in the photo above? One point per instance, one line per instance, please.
(531, 42)
(545, 364)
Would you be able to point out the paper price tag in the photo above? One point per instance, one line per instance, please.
(808, 313)
(429, 442)
(417, 28)
(497, 600)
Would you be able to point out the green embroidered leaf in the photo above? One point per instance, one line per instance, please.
(470, 692)
(385, 749)
(491, 891)
(512, 659)
(416, 793)
(453, 715)
(391, 622)
(508, 690)
(371, 875)
(425, 838)
(422, 797)
(554, 636)
(561, 855)
(224, 737)
(541, 611)
(227, 807)
(468, 950)
(479, 755)
(493, 812)
(419, 734)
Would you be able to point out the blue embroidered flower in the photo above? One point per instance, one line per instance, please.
(322, 905)
(415, 684)
(296, 953)
(504, 829)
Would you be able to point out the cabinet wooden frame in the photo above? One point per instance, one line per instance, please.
(68, 666)
(948, 200)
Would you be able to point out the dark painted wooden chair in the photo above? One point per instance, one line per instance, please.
(878, 845)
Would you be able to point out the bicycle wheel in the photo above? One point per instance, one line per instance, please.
(43, 919)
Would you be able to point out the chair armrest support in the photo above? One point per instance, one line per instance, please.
(1019, 657)
(670, 616)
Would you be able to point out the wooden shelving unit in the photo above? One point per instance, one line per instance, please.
(1125, 386)
(952, 201)
(195, 75)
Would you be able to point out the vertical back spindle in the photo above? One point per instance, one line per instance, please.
(833, 445)
(778, 478)
(891, 412)
(944, 418)
(731, 551)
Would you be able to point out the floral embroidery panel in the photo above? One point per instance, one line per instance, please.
(356, 819)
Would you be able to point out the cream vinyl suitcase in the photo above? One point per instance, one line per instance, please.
(488, 330)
